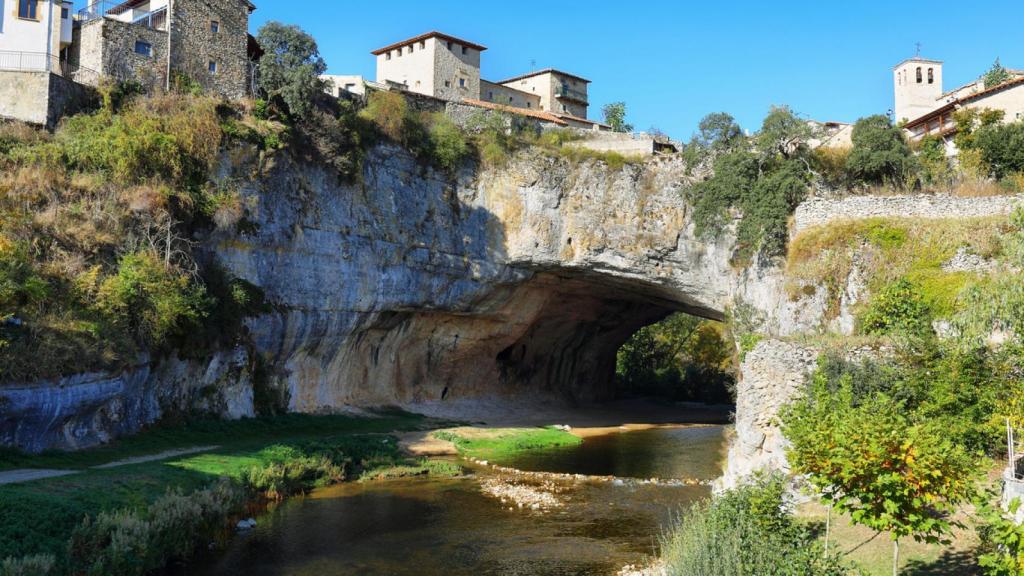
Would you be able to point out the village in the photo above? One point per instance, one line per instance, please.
(51, 55)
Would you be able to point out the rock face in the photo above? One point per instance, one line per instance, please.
(417, 289)
(772, 374)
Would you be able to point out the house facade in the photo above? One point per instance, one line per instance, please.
(33, 34)
(446, 67)
(925, 109)
(153, 41)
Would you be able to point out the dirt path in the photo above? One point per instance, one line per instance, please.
(423, 443)
(32, 474)
(28, 475)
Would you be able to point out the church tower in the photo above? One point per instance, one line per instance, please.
(918, 87)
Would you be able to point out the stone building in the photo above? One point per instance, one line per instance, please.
(446, 67)
(155, 41)
(925, 109)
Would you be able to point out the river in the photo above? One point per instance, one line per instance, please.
(449, 527)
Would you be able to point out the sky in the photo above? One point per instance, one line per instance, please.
(674, 62)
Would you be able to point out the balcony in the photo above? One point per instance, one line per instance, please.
(151, 15)
(566, 93)
(43, 62)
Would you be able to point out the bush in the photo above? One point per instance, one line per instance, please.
(41, 565)
(898, 308)
(830, 163)
(388, 112)
(1002, 148)
(448, 144)
(747, 530)
(151, 299)
(880, 154)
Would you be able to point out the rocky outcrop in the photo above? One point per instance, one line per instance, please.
(772, 374)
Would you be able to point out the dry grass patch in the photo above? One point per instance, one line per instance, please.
(887, 249)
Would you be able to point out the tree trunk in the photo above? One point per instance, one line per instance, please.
(828, 527)
(895, 557)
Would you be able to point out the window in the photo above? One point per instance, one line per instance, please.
(918, 74)
(463, 49)
(65, 13)
(387, 56)
(214, 26)
(410, 48)
(447, 83)
(144, 48)
(350, 87)
(490, 95)
(462, 82)
(28, 9)
(449, 43)
(212, 67)
(529, 105)
(931, 76)
(511, 99)
(398, 52)
(423, 44)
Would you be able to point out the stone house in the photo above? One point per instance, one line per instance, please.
(926, 109)
(153, 41)
(443, 66)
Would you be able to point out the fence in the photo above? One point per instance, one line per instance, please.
(155, 19)
(44, 62)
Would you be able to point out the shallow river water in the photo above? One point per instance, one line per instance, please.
(448, 527)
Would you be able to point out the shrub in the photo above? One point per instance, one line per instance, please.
(388, 112)
(41, 565)
(830, 163)
(745, 531)
(151, 299)
(1002, 148)
(293, 474)
(898, 308)
(290, 67)
(447, 142)
(880, 154)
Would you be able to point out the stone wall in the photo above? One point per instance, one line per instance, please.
(108, 47)
(24, 96)
(194, 44)
(41, 97)
(818, 211)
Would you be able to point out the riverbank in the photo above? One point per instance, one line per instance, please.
(265, 458)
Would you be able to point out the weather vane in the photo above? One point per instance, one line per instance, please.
(918, 45)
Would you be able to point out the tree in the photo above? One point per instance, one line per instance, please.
(290, 67)
(1002, 148)
(718, 131)
(782, 133)
(996, 75)
(869, 460)
(615, 116)
(880, 154)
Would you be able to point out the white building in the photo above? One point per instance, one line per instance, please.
(925, 109)
(339, 85)
(33, 33)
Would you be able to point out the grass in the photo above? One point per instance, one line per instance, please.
(889, 249)
(38, 517)
(873, 554)
(499, 442)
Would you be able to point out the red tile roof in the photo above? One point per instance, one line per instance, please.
(545, 116)
(433, 34)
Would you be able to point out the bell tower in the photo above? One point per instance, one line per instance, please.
(917, 84)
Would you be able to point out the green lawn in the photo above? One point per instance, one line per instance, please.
(499, 442)
(37, 517)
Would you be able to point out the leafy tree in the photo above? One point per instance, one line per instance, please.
(290, 67)
(1002, 148)
(969, 121)
(871, 461)
(996, 75)
(615, 116)
(718, 131)
(880, 153)
(935, 167)
(782, 134)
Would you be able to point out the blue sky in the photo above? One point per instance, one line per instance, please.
(673, 62)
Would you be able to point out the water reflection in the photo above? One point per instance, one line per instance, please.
(449, 527)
